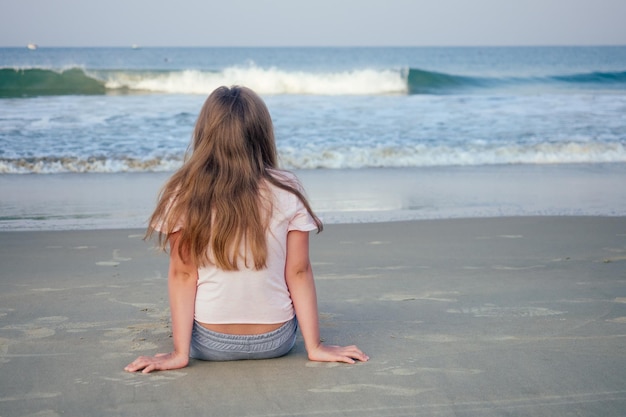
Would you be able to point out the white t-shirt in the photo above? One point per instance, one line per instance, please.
(249, 295)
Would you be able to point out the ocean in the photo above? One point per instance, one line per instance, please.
(376, 134)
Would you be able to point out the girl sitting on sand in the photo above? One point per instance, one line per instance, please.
(240, 280)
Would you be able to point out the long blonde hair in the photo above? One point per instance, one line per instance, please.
(215, 197)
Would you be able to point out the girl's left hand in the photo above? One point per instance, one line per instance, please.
(331, 353)
(159, 362)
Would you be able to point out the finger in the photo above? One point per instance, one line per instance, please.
(357, 354)
(132, 367)
(138, 364)
(135, 368)
(360, 356)
(151, 367)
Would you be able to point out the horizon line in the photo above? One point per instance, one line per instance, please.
(140, 46)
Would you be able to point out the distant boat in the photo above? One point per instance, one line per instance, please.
(32, 46)
(135, 46)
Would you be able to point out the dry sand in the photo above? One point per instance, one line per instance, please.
(482, 317)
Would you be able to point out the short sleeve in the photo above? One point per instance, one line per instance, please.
(302, 219)
(162, 226)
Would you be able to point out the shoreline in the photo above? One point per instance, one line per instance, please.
(137, 232)
(125, 200)
(479, 317)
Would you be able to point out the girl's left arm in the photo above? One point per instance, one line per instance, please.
(182, 285)
(301, 284)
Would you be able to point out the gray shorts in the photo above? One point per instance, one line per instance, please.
(212, 346)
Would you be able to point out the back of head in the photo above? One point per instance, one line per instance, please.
(234, 133)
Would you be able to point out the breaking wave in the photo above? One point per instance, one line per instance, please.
(75, 81)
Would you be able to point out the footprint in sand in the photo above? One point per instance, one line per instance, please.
(107, 263)
(517, 268)
(620, 320)
(137, 379)
(115, 260)
(409, 371)
(442, 296)
(492, 311)
(39, 328)
(372, 388)
(500, 237)
(5, 311)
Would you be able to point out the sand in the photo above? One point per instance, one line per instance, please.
(126, 200)
(481, 317)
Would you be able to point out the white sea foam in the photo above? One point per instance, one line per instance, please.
(425, 156)
(350, 157)
(78, 165)
(266, 81)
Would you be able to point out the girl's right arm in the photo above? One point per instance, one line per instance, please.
(182, 285)
(299, 277)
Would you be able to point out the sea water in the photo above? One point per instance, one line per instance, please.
(359, 119)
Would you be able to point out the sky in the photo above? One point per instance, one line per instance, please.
(312, 22)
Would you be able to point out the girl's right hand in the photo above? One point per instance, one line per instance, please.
(332, 353)
(159, 362)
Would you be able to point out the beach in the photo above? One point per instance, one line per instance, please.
(474, 243)
(463, 317)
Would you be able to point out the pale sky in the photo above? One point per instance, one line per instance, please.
(312, 22)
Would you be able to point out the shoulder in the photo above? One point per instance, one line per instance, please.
(284, 191)
(288, 183)
(286, 177)
(289, 202)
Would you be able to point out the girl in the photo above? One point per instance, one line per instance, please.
(240, 280)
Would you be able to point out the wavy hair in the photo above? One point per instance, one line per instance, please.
(216, 197)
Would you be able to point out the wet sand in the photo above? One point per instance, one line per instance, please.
(480, 317)
(126, 200)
